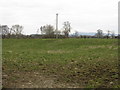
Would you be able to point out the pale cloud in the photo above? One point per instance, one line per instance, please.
(84, 15)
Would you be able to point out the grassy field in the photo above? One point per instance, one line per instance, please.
(83, 63)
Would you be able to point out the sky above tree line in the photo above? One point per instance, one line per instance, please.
(84, 15)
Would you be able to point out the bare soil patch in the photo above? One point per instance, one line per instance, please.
(33, 80)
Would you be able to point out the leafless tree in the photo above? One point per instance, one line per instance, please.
(37, 32)
(47, 29)
(67, 28)
(108, 33)
(113, 34)
(99, 33)
(76, 33)
(4, 29)
(16, 29)
(41, 29)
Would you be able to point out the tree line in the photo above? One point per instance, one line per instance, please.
(15, 30)
(99, 34)
(48, 31)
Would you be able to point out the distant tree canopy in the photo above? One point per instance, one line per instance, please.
(47, 29)
(16, 29)
(67, 28)
(4, 29)
(99, 33)
(76, 33)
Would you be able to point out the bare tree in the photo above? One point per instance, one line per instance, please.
(76, 33)
(37, 32)
(99, 33)
(47, 29)
(113, 34)
(108, 33)
(16, 29)
(67, 28)
(5, 29)
(41, 29)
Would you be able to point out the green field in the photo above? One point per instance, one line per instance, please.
(83, 63)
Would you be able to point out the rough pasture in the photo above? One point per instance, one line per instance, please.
(57, 63)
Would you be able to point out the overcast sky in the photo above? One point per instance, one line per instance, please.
(84, 15)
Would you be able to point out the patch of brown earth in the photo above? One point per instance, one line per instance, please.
(33, 80)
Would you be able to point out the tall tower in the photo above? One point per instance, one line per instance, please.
(57, 25)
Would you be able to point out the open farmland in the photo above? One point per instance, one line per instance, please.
(60, 63)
